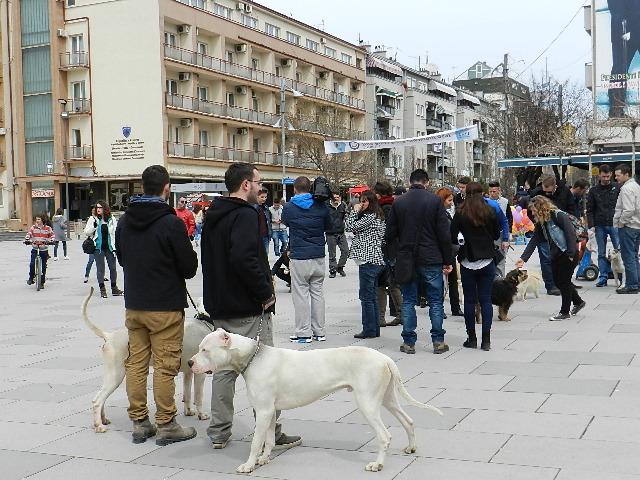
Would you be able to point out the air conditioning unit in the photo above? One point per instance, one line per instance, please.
(242, 131)
(241, 90)
(184, 28)
(248, 8)
(62, 33)
(185, 122)
(241, 47)
(323, 40)
(3, 131)
(286, 62)
(184, 76)
(324, 75)
(240, 6)
(356, 87)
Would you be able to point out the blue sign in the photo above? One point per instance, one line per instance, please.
(126, 131)
(288, 181)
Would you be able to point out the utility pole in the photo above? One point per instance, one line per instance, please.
(505, 79)
(283, 128)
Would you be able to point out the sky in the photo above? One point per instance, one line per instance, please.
(455, 34)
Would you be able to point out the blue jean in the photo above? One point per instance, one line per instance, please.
(44, 255)
(198, 234)
(476, 287)
(279, 241)
(368, 273)
(601, 239)
(629, 246)
(100, 257)
(265, 241)
(431, 275)
(544, 253)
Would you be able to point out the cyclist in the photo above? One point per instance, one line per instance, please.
(39, 236)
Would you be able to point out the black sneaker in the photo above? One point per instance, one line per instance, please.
(559, 316)
(287, 441)
(627, 291)
(341, 272)
(554, 291)
(30, 281)
(332, 274)
(577, 308)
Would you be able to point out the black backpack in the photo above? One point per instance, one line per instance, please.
(320, 189)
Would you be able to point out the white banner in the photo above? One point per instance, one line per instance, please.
(455, 135)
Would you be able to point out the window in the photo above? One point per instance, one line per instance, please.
(256, 144)
(255, 103)
(229, 56)
(298, 77)
(422, 86)
(77, 88)
(203, 93)
(221, 11)
(293, 38)
(71, 3)
(231, 101)
(204, 138)
(271, 30)
(277, 71)
(77, 44)
(170, 39)
(76, 138)
(255, 63)
(346, 58)
(249, 21)
(330, 52)
(311, 45)
(1, 199)
(203, 48)
(418, 109)
(172, 87)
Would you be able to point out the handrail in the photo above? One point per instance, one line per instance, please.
(74, 152)
(190, 150)
(74, 59)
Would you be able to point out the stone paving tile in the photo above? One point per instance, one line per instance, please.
(607, 372)
(573, 474)
(625, 328)
(200, 475)
(455, 469)
(522, 423)
(586, 358)
(46, 392)
(421, 418)
(27, 436)
(528, 335)
(525, 369)
(457, 380)
(490, 400)
(623, 407)
(609, 428)
(103, 470)
(578, 345)
(33, 411)
(570, 453)
(616, 342)
(68, 363)
(627, 388)
(448, 444)
(18, 465)
(33, 340)
(569, 386)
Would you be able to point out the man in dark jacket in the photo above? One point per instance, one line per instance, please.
(264, 219)
(462, 187)
(336, 236)
(419, 223)
(601, 206)
(307, 220)
(155, 252)
(237, 286)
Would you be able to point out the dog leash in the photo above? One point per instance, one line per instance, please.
(257, 339)
(201, 316)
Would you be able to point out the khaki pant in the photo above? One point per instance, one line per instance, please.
(307, 278)
(159, 333)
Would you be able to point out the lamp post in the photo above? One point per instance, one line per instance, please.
(65, 164)
(284, 124)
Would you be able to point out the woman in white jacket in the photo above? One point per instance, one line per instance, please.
(101, 227)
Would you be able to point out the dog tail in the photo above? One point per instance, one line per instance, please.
(400, 388)
(94, 328)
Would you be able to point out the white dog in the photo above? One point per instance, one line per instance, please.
(116, 350)
(282, 379)
(532, 284)
(617, 267)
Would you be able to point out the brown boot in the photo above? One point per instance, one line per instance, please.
(173, 432)
(395, 322)
(143, 429)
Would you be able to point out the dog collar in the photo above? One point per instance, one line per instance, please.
(255, 352)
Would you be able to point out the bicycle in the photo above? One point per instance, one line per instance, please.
(37, 267)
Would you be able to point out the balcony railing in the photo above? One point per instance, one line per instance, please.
(70, 60)
(478, 158)
(436, 123)
(385, 111)
(220, 153)
(310, 124)
(78, 152)
(220, 109)
(78, 105)
(222, 66)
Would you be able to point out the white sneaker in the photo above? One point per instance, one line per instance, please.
(55, 259)
(320, 338)
(66, 258)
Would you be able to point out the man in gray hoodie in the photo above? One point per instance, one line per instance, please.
(627, 220)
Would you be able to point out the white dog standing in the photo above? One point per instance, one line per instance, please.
(115, 352)
(282, 379)
(617, 267)
(532, 284)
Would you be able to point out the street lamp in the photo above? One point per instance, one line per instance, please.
(284, 125)
(65, 116)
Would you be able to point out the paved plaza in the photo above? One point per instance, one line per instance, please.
(551, 400)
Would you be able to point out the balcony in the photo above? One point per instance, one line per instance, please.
(78, 153)
(385, 111)
(218, 65)
(78, 106)
(334, 130)
(206, 107)
(435, 149)
(188, 150)
(73, 60)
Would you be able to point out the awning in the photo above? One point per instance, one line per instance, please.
(382, 64)
(358, 189)
(579, 159)
(442, 88)
(468, 98)
(387, 93)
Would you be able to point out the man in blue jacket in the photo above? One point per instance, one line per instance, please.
(307, 220)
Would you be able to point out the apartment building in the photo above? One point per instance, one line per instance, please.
(5, 179)
(103, 89)
(474, 158)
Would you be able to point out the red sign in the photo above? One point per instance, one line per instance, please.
(42, 193)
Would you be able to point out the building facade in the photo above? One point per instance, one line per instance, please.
(101, 90)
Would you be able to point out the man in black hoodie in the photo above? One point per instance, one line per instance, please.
(237, 286)
(155, 252)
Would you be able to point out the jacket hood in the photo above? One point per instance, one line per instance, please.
(222, 207)
(386, 200)
(57, 218)
(303, 200)
(142, 214)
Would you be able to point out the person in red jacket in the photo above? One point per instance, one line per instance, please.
(186, 216)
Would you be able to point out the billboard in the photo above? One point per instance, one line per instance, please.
(617, 58)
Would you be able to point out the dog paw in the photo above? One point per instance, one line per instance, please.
(100, 429)
(245, 468)
(203, 416)
(373, 467)
(189, 413)
(106, 421)
(263, 459)
(410, 449)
